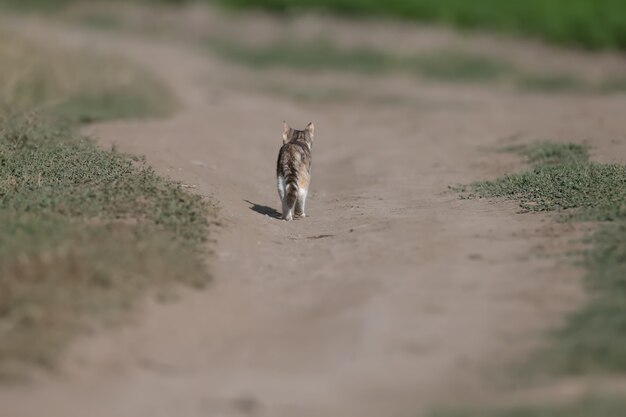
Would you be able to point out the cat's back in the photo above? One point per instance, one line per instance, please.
(294, 157)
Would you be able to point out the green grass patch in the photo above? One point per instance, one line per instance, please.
(588, 24)
(100, 19)
(444, 65)
(613, 85)
(310, 56)
(551, 83)
(593, 339)
(36, 4)
(591, 407)
(563, 179)
(554, 153)
(582, 23)
(456, 65)
(85, 231)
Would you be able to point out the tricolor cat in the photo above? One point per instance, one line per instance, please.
(294, 170)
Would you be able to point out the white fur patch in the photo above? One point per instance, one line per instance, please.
(281, 186)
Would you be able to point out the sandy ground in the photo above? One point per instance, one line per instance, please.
(392, 297)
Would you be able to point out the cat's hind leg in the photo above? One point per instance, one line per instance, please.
(287, 211)
(289, 202)
(301, 203)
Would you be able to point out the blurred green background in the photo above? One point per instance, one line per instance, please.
(591, 24)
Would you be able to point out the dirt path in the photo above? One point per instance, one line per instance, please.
(393, 296)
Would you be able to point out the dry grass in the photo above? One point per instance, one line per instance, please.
(84, 232)
(76, 85)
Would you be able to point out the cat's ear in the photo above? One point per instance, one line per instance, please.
(286, 131)
(310, 128)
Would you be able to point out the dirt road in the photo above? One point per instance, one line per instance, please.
(393, 296)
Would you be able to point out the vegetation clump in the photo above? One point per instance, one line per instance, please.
(85, 231)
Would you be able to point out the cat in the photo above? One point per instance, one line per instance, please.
(293, 170)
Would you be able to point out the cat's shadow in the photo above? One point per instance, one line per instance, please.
(264, 210)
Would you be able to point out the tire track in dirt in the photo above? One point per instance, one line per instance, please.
(392, 296)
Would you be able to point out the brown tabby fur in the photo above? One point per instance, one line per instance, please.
(293, 170)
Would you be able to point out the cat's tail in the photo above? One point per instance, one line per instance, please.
(291, 193)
